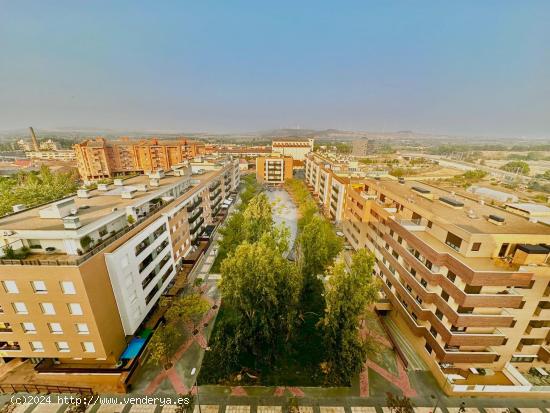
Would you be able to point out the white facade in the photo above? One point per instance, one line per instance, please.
(140, 270)
(298, 149)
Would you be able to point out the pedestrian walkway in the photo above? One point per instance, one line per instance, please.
(262, 408)
(414, 361)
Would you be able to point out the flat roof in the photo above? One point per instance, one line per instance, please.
(529, 207)
(99, 205)
(475, 222)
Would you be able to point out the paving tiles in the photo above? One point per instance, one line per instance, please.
(363, 410)
(269, 409)
(331, 409)
(237, 409)
(111, 408)
(142, 408)
(47, 407)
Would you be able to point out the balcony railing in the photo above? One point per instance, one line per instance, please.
(195, 216)
(77, 260)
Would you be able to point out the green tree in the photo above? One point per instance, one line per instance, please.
(317, 245)
(187, 309)
(399, 404)
(257, 218)
(516, 167)
(348, 292)
(163, 345)
(263, 289)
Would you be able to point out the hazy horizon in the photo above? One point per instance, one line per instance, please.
(462, 68)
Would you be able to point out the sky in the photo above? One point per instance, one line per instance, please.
(469, 67)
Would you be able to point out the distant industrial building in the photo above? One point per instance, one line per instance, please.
(295, 147)
(493, 194)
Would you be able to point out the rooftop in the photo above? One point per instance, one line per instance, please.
(531, 208)
(472, 217)
(100, 204)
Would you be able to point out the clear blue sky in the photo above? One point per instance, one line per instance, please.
(464, 67)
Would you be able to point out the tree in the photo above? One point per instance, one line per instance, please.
(262, 287)
(317, 246)
(399, 404)
(188, 308)
(516, 167)
(258, 218)
(348, 292)
(188, 405)
(163, 345)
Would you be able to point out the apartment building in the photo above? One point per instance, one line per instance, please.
(468, 281)
(80, 274)
(328, 187)
(100, 158)
(273, 170)
(294, 147)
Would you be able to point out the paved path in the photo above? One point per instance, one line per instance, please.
(284, 212)
(414, 360)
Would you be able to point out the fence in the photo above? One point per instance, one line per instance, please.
(44, 388)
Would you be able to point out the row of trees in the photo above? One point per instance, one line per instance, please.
(186, 310)
(266, 297)
(33, 188)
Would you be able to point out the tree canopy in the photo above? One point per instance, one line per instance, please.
(347, 294)
(317, 246)
(263, 288)
(516, 167)
(34, 188)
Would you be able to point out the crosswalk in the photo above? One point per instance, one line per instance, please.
(214, 408)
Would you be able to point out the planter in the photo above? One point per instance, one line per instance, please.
(50, 250)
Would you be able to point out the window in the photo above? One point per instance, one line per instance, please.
(62, 346)
(20, 308)
(476, 246)
(68, 287)
(88, 347)
(39, 287)
(75, 309)
(37, 346)
(10, 287)
(453, 241)
(82, 328)
(28, 328)
(429, 224)
(47, 308)
(55, 328)
(451, 276)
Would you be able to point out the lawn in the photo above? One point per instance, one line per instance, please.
(298, 363)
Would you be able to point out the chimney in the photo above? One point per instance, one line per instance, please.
(33, 137)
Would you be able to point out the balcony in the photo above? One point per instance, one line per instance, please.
(195, 204)
(197, 227)
(473, 270)
(215, 194)
(63, 259)
(411, 224)
(14, 346)
(195, 216)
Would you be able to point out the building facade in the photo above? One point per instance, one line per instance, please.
(80, 274)
(294, 147)
(99, 158)
(469, 282)
(329, 187)
(273, 169)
